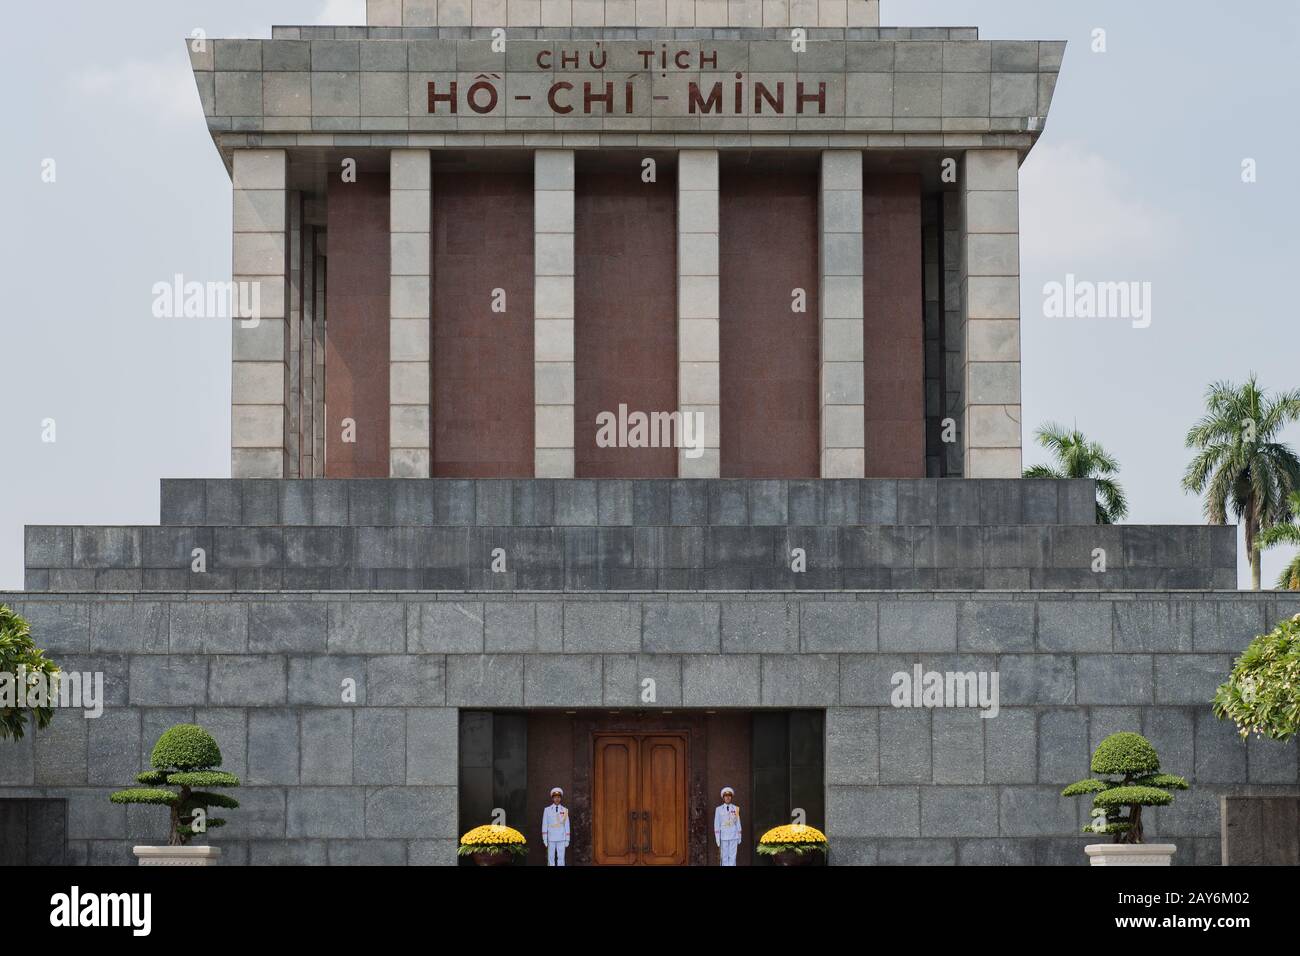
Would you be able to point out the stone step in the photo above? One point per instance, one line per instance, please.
(618, 502)
(567, 558)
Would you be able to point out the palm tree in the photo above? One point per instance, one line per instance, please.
(1076, 457)
(1240, 466)
(1289, 579)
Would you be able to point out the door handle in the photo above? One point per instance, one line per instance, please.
(645, 815)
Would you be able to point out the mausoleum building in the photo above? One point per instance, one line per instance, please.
(625, 394)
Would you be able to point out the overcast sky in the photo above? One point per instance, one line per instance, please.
(1138, 177)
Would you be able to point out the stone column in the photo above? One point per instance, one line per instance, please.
(932, 282)
(306, 361)
(991, 294)
(259, 354)
(553, 350)
(318, 361)
(843, 424)
(954, 340)
(410, 450)
(293, 431)
(699, 392)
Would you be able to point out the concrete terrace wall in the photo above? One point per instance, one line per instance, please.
(375, 781)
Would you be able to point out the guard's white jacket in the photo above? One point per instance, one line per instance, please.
(726, 823)
(555, 825)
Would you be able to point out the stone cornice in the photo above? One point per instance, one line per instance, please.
(723, 93)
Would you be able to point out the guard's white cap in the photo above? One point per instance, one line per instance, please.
(727, 790)
(555, 790)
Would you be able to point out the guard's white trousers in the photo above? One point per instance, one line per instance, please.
(555, 854)
(728, 850)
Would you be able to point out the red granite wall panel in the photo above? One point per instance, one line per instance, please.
(770, 354)
(625, 303)
(482, 360)
(894, 327)
(356, 345)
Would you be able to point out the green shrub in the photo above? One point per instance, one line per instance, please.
(1125, 753)
(21, 661)
(185, 747)
(1117, 804)
(185, 756)
(1262, 694)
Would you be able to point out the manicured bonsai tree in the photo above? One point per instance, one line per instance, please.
(185, 756)
(1131, 758)
(28, 678)
(1262, 694)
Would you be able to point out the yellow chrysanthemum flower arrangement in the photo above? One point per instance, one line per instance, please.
(792, 838)
(492, 838)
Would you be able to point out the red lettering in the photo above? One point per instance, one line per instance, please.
(819, 97)
(589, 97)
(709, 59)
(696, 103)
(544, 59)
(550, 97)
(761, 93)
(436, 98)
(477, 88)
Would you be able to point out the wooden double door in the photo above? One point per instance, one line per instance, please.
(639, 813)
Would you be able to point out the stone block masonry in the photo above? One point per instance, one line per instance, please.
(328, 782)
(648, 558)
(553, 341)
(624, 13)
(841, 405)
(853, 87)
(410, 257)
(260, 352)
(698, 264)
(616, 534)
(618, 502)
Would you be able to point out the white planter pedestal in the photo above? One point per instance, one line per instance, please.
(1130, 854)
(177, 855)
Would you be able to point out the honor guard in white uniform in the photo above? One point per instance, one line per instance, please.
(726, 827)
(555, 828)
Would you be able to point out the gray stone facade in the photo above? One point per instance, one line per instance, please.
(368, 86)
(612, 535)
(259, 651)
(257, 599)
(375, 781)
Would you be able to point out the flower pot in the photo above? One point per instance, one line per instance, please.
(485, 858)
(1130, 854)
(791, 858)
(177, 855)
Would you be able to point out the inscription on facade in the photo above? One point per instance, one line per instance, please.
(734, 94)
